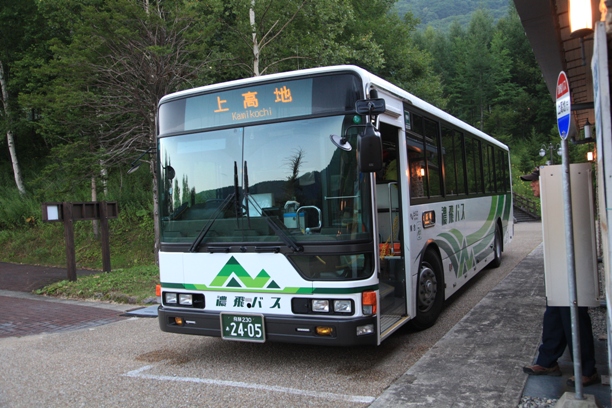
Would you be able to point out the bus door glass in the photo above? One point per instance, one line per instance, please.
(388, 200)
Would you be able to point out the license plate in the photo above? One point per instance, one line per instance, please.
(242, 327)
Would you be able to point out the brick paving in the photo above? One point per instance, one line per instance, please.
(27, 315)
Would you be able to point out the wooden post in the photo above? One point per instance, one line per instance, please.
(71, 212)
(69, 239)
(106, 259)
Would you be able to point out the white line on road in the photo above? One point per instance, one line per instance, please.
(139, 373)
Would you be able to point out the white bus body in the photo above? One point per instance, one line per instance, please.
(272, 229)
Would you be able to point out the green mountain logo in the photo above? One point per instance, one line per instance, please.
(233, 275)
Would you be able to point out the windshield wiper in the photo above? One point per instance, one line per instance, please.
(245, 186)
(290, 242)
(235, 196)
(210, 222)
(218, 212)
(237, 207)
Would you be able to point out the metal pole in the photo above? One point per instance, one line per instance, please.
(571, 271)
(550, 147)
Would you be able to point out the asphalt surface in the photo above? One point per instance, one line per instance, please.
(475, 364)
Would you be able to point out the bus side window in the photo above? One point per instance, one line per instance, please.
(432, 136)
(417, 174)
(416, 157)
(460, 159)
(474, 173)
(489, 169)
(448, 158)
(501, 164)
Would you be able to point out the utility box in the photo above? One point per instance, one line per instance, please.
(553, 232)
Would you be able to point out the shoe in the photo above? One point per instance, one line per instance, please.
(586, 381)
(554, 371)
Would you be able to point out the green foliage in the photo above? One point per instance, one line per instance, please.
(85, 77)
(26, 239)
(17, 211)
(131, 285)
(492, 81)
(441, 14)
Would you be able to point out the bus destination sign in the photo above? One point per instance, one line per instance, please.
(251, 104)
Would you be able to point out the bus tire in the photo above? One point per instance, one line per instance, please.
(430, 291)
(497, 249)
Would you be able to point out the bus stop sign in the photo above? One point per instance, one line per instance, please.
(564, 107)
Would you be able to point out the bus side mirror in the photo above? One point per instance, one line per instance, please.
(369, 149)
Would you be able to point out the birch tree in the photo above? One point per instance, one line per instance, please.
(124, 55)
(267, 36)
(19, 28)
(10, 140)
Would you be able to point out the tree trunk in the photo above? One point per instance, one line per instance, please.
(255, 43)
(153, 167)
(94, 197)
(9, 133)
(104, 176)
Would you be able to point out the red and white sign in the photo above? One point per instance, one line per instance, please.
(564, 105)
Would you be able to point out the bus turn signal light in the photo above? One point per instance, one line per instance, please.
(368, 302)
(324, 330)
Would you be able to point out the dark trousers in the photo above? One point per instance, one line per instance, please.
(557, 334)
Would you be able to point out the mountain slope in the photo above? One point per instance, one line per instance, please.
(441, 13)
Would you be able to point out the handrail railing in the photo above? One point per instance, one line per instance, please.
(529, 206)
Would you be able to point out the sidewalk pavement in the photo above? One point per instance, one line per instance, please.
(478, 363)
(24, 313)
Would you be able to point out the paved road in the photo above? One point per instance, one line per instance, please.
(132, 363)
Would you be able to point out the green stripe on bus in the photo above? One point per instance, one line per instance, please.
(289, 290)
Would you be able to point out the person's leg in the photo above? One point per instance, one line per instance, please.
(554, 339)
(587, 345)
(552, 346)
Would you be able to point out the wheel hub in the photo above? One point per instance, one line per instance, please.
(428, 288)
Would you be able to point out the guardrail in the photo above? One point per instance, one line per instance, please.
(528, 206)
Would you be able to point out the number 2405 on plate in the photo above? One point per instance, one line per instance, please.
(242, 327)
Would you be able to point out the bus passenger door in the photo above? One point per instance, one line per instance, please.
(392, 273)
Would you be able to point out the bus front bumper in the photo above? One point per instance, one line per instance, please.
(287, 329)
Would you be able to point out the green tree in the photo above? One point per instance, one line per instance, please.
(121, 58)
(398, 58)
(267, 36)
(21, 30)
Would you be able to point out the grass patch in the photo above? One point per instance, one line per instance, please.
(129, 285)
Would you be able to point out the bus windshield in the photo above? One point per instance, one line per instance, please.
(264, 183)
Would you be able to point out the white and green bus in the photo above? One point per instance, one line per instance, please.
(322, 206)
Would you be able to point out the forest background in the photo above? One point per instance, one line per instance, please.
(80, 81)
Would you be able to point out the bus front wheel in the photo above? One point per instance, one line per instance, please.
(497, 249)
(430, 291)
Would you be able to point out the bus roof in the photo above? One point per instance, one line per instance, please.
(368, 78)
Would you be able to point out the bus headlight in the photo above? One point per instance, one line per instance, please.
(171, 298)
(321, 306)
(338, 307)
(185, 299)
(174, 299)
(343, 306)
